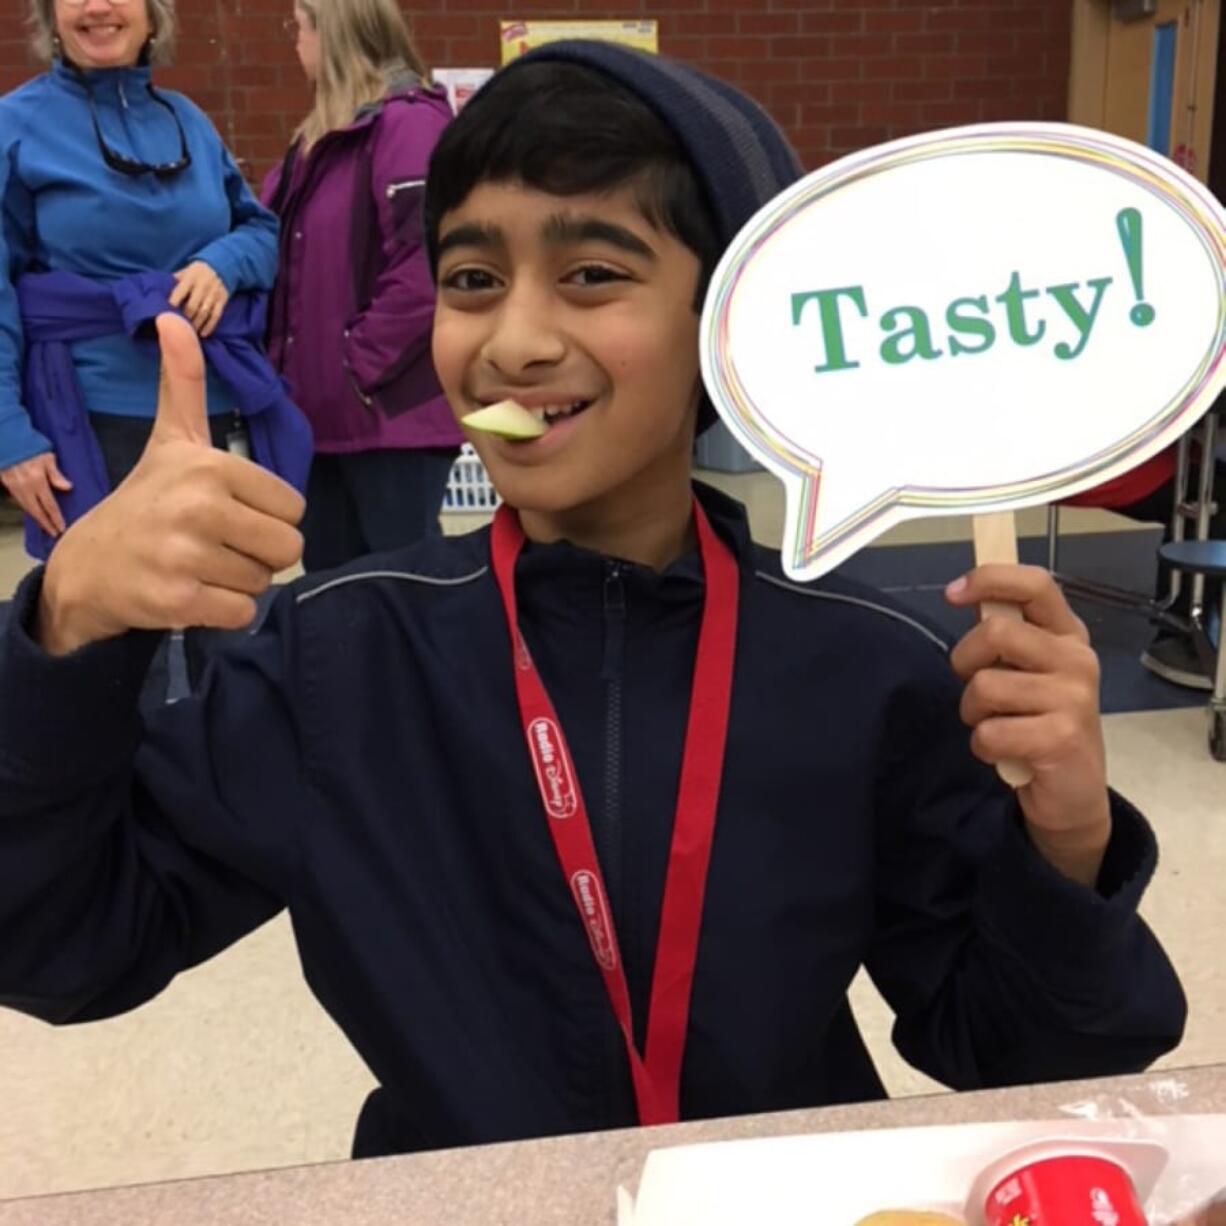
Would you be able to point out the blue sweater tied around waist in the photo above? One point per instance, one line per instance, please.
(59, 309)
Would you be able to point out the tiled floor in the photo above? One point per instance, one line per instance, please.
(235, 1067)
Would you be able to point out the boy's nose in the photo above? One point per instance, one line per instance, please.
(524, 335)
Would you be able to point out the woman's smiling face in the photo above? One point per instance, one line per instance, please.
(102, 34)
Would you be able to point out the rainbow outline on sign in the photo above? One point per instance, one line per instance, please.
(1162, 178)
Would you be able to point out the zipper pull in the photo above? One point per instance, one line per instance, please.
(393, 189)
(614, 622)
(614, 591)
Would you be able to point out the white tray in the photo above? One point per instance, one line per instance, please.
(835, 1179)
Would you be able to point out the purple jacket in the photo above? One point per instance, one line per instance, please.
(350, 317)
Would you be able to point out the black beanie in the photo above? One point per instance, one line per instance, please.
(738, 154)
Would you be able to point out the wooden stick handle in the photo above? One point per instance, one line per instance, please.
(996, 541)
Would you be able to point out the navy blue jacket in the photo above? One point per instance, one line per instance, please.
(360, 762)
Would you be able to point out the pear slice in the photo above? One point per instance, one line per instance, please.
(506, 420)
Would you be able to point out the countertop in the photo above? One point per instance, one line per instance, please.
(565, 1181)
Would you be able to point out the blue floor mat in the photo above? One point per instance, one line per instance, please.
(916, 576)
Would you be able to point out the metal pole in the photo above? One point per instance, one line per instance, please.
(1204, 509)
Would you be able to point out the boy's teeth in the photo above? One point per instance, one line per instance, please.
(555, 412)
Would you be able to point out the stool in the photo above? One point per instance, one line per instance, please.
(1207, 559)
(1193, 505)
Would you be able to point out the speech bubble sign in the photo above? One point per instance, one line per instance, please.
(974, 320)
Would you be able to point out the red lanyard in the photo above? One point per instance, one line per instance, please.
(657, 1078)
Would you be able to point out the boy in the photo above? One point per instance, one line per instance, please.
(462, 766)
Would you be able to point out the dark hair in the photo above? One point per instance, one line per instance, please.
(568, 130)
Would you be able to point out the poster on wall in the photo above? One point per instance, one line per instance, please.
(519, 37)
(461, 83)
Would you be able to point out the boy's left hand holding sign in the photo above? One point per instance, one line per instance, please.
(1032, 697)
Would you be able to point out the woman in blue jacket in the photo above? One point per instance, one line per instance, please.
(128, 196)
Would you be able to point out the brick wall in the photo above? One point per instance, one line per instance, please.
(838, 74)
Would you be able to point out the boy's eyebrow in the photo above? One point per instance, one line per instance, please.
(567, 228)
(473, 234)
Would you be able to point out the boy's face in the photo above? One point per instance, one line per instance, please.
(570, 301)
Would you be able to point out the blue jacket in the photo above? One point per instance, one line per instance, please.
(59, 308)
(361, 761)
(64, 210)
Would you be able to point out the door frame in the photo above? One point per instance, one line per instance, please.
(1091, 28)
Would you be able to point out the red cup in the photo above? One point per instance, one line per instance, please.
(1065, 1190)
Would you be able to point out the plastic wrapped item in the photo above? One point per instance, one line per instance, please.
(1185, 1200)
(1211, 1214)
(1175, 1159)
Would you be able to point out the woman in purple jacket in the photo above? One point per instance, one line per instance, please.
(350, 320)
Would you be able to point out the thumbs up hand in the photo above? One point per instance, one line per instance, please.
(190, 538)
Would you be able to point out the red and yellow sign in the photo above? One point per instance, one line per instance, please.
(519, 37)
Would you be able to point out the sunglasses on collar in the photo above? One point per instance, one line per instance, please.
(132, 166)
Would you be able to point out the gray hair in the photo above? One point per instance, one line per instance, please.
(162, 18)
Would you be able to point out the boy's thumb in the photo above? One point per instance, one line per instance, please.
(182, 414)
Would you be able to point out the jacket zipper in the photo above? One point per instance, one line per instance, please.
(614, 600)
(394, 189)
(611, 675)
(125, 120)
